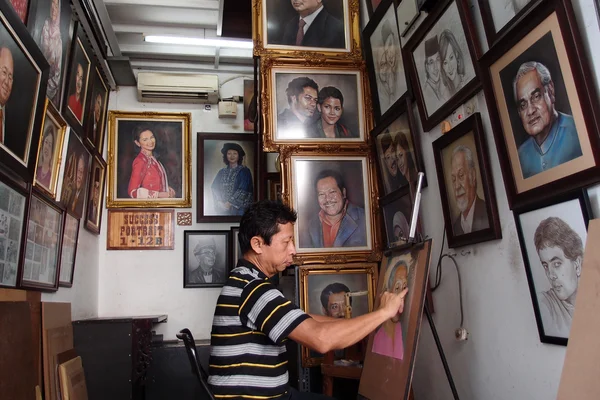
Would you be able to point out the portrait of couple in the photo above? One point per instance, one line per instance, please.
(318, 106)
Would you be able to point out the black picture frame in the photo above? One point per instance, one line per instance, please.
(468, 137)
(371, 8)
(572, 85)
(73, 193)
(236, 252)
(493, 32)
(68, 252)
(196, 241)
(211, 165)
(466, 90)
(95, 121)
(24, 108)
(396, 212)
(93, 212)
(552, 207)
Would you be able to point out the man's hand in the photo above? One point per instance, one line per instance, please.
(392, 303)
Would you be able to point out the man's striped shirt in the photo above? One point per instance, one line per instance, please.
(251, 323)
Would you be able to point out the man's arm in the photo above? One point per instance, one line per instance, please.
(322, 318)
(324, 335)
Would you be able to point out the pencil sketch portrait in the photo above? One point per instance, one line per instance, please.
(505, 10)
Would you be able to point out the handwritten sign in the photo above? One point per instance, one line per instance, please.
(140, 230)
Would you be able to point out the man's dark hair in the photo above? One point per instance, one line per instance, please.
(326, 173)
(554, 232)
(330, 91)
(386, 141)
(332, 288)
(297, 85)
(261, 219)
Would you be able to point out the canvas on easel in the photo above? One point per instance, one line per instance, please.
(392, 347)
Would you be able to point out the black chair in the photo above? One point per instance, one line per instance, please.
(190, 346)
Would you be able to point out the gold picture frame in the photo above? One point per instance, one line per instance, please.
(320, 281)
(349, 79)
(57, 127)
(358, 237)
(350, 10)
(167, 182)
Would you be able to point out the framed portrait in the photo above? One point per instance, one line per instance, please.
(552, 235)
(466, 185)
(13, 205)
(42, 248)
(95, 122)
(22, 101)
(323, 188)
(314, 105)
(206, 258)
(227, 176)
(397, 213)
(274, 186)
(383, 52)
(95, 197)
(543, 106)
(149, 155)
(51, 25)
(68, 251)
(50, 150)
(500, 16)
(392, 347)
(75, 176)
(372, 6)
(235, 246)
(398, 151)
(21, 7)
(77, 83)
(327, 29)
(323, 291)
(441, 61)
(250, 106)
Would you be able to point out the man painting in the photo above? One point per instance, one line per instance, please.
(339, 223)
(252, 314)
(6, 82)
(302, 97)
(435, 92)
(473, 213)
(560, 249)
(206, 254)
(313, 27)
(333, 300)
(76, 99)
(553, 137)
(393, 179)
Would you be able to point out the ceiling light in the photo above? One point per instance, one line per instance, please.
(238, 44)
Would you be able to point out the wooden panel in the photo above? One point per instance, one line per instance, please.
(579, 378)
(57, 333)
(140, 230)
(16, 360)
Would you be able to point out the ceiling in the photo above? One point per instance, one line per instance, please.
(125, 22)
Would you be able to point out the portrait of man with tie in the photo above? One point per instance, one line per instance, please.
(75, 180)
(206, 258)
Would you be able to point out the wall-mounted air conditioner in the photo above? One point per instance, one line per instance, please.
(178, 88)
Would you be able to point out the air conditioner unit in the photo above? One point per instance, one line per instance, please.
(178, 88)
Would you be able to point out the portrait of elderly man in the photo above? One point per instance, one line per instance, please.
(560, 249)
(206, 271)
(313, 26)
(6, 82)
(435, 92)
(552, 135)
(339, 223)
(302, 96)
(473, 215)
(333, 300)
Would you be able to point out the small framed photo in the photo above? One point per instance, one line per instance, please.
(466, 185)
(327, 29)
(235, 245)
(383, 53)
(206, 258)
(95, 121)
(42, 249)
(227, 173)
(552, 235)
(95, 198)
(323, 291)
(78, 82)
(274, 186)
(75, 176)
(312, 105)
(397, 214)
(13, 206)
(68, 251)
(543, 106)
(250, 106)
(499, 17)
(441, 61)
(150, 153)
(50, 151)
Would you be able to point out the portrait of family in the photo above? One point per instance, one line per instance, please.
(229, 174)
(553, 243)
(49, 150)
(79, 78)
(150, 153)
(76, 175)
(316, 106)
(332, 200)
(206, 258)
(12, 215)
(443, 61)
(304, 24)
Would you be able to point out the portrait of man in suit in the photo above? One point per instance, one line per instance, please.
(6, 83)
(75, 180)
(209, 266)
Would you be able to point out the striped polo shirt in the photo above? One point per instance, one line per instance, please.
(251, 323)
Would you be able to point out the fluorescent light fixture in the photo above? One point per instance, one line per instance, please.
(238, 44)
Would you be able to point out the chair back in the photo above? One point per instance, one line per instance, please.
(190, 347)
